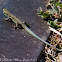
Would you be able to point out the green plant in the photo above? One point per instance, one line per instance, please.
(54, 24)
(54, 9)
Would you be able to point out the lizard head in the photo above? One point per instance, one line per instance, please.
(5, 11)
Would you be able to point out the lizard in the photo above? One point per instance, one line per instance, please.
(7, 13)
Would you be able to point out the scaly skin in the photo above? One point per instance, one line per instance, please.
(17, 21)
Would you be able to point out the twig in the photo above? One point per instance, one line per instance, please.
(52, 29)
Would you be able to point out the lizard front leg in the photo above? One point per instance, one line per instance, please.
(6, 18)
(16, 26)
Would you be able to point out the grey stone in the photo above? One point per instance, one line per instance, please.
(18, 45)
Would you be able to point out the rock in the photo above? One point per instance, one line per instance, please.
(18, 45)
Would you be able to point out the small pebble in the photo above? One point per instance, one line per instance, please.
(27, 54)
(24, 36)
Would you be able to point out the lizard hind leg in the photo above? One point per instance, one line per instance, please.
(18, 26)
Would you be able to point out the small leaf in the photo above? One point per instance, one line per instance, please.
(55, 21)
(58, 4)
(42, 12)
(50, 22)
(52, 2)
(53, 25)
(61, 8)
(61, 5)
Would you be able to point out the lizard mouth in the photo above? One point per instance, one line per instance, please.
(3, 11)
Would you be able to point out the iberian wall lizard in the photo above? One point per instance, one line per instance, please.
(17, 21)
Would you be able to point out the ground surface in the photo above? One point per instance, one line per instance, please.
(16, 44)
